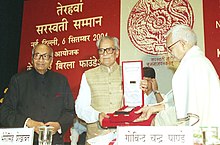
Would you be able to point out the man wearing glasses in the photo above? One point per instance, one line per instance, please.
(39, 97)
(195, 84)
(101, 88)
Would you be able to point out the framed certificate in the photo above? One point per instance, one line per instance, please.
(132, 75)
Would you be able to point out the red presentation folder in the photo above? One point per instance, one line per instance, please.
(131, 75)
(125, 119)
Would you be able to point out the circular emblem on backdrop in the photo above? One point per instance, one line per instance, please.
(150, 20)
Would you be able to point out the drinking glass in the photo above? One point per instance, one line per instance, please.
(45, 135)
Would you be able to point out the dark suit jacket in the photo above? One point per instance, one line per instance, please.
(40, 97)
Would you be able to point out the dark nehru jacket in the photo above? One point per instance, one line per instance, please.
(45, 98)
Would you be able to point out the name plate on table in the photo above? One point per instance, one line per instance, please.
(132, 75)
(16, 136)
(155, 135)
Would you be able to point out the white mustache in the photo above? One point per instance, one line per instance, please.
(106, 57)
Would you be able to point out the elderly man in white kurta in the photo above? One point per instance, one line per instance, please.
(101, 88)
(195, 84)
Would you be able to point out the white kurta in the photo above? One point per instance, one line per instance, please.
(196, 88)
(83, 107)
(167, 117)
(150, 99)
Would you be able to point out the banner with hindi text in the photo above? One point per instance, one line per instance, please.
(71, 28)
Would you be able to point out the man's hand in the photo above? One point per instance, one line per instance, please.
(56, 126)
(102, 115)
(34, 124)
(147, 111)
(154, 84)
(144, 85)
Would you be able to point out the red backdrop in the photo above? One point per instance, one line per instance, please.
(42, 12)
(71, 28)
(211, 13)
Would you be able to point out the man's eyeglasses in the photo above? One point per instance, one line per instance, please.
(107, 50)
(169, 47)
(44, 56)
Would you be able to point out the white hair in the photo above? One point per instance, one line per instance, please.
(33, 49)
(183, 32)
(114, 39)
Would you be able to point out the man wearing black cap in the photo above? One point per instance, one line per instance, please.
(150, 87)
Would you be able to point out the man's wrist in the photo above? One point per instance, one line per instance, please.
(26, 122)
(100, 115)
(156, 92)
